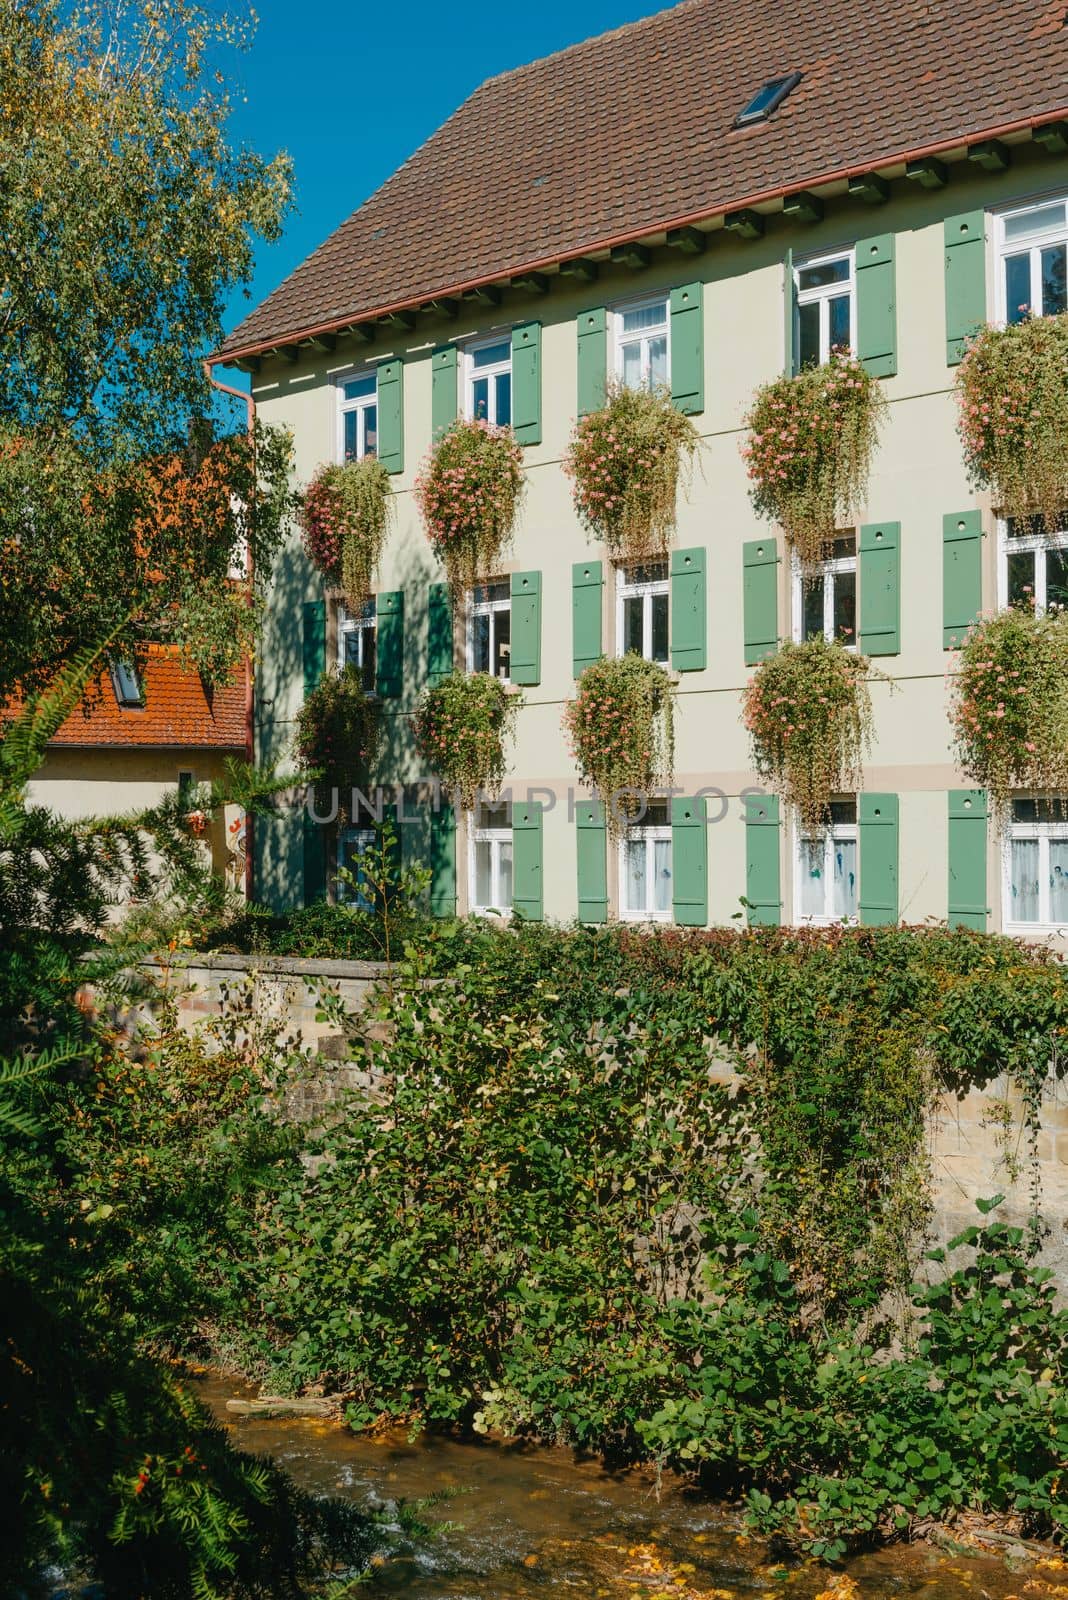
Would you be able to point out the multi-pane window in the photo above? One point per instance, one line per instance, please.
(359, 416)
(491, 858)
(1033, 268)
(355, 847)
(825, 596)
(827, 868)
(489, 382)
(127, 685)
(489, 629)
(1033, 564)
(356, 642)
(824, 315)
(642, 349)
(1036, 864)
(642, 610)
(645, 866)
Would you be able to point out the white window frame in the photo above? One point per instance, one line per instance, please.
(360, 406)
(491, 609)
(361, 626)
(630, 589)
(651, 832)
(620, 340)
(823, 296)
(1033, 543)
(364, 839)
(495, 837)
(496, 369)
(1043, 832)
(845, 831)
(827, 570)
(1004, 248)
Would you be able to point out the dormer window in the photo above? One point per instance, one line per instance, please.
(127, 685)
(766, 99)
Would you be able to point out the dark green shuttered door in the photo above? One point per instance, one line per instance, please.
(962, 575)
(526, 382)
(592, 848)
(525, 658)
(688, 607)
(527, 884)
(878, 818)
(762, 877)
(587, 582)
(877, 305)
(689, 863)
(880, 589)
(760, 598)
(965, 281)
(967, 858)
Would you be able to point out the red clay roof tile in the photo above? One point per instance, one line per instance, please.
(178, 711)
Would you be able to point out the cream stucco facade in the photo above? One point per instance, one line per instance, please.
(917, 479)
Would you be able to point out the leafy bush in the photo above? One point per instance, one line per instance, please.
(1009, 705)
(337, 732)
(808, 712)
(809, 447)
(345, 515)
(621, 729)
(461, 725)
(1012, 395)
(468, 491)
(624, 462)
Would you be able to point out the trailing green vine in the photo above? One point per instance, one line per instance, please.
(1012, 395)
(808, 712)
(1009, 706)
(337, 733)
(345, 516)
(461, 727)
(811, 438)
(468, 491)
(625, 463)
(621, 730)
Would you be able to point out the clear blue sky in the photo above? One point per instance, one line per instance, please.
(351, 90)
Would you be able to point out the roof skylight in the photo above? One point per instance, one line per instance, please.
(766, 99)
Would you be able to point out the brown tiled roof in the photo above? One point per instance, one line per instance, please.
(178, 711)
(631, 132)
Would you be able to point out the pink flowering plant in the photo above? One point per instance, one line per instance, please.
(461, 726)
(337, 733)
(625, 463)
(808, 712)
(621, 730)
(468, 491)
(344, 517)
(1009, 706)
(1012, 397)
(808, 450)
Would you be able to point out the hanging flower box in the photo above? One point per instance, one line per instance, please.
(345, 517)
(621, 730)
(461, 727)
(469, 491)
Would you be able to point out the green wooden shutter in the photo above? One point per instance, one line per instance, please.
(688, 348)
(965, 281)
(592, 842)
(763, 888)
(789, 290)
(689, 863)
(313, 833)
(760, 598)
(527, 889)
(391, 414)
(587, 582)
(877, 305)
(526, 382)
(443, 861)
(443, 398)
(878, 819)
(592, 359)
(389, 657)
(967, 858)
(525, 657)
(962, 575)
(688, 623)
(439, 651)
(314, 644)
(880, 589)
